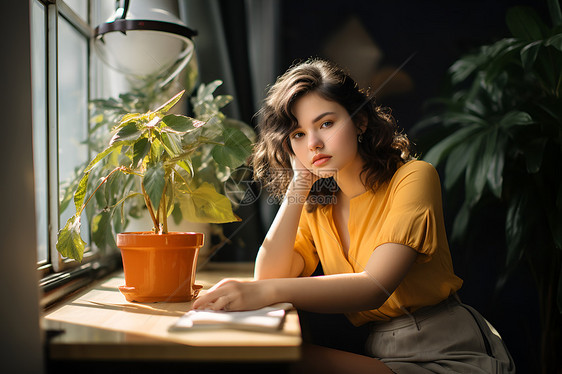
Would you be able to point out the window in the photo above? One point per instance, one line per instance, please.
(61, 74)
(72, 108)
(39, 84)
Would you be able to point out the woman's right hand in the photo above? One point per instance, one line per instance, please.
(303, 177)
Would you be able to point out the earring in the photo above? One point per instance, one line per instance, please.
(360, 138)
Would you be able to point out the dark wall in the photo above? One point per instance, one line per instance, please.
(438, 32)
(21, 337)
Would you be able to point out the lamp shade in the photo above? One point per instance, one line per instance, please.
(146, 41)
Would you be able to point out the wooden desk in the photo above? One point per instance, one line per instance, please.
(99, 324)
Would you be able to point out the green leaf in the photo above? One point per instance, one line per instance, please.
(514, 230)
(169, 104)
(556, 16)
(436, 154)
(499, 49)
(130, 117)
(186, 165)
(205, 91)
(212, 122)
(237, 147)
(70, 186)
(497, 163)
(463, 118)
(156, 149)
(515, 118)
(524, 23)
(222, 100)
(205, 204)
(456, 164)
(176, 214)
(172, 143)
(460, 224)
(106, 190)
(555, 41)
(127, 132)
(178, 123)
(140, 150)
(242, 126)
(499, 55)
(529, 54)
(477, 168)
(69, 242)
(464, 67)
(154, 182)
(80, 193)
(102, 233)
(113, 147)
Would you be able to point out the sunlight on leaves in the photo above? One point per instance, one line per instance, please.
(154, 183)
(237, 147)
(205, 204)
(70, 243)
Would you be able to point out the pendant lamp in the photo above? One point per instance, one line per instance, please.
(145, 38)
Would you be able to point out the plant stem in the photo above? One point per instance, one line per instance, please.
(122, 201)
(156, 227)
(185, 183)
(164, 211)
(120, 168)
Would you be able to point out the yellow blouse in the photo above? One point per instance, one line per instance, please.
(408, 211)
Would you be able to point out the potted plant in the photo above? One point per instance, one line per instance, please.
(498, 134)
(163, 159)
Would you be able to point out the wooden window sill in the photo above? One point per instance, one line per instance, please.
(99, 324)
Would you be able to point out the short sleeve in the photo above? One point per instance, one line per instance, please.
(304, 245)
(415, 216)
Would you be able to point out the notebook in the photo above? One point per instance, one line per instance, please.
(270, 318)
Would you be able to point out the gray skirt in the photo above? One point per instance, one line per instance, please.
(449, 337)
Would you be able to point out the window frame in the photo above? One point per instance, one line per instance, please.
(58, 276)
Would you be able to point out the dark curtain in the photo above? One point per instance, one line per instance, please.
(223, 53)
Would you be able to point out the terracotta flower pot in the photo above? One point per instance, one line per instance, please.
(159, 267)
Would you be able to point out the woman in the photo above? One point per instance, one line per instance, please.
(356, 202)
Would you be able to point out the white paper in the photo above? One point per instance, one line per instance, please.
(266, 319)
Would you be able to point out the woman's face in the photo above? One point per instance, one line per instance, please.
(325, 141)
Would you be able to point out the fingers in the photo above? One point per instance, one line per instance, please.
(222, 303)
(234, 295)
(218, 297)
(303, 174)
(212, 302)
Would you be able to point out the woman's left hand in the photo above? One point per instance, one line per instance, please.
(231, 294)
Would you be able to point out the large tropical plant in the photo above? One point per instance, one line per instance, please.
(170, 162)
(499, 136)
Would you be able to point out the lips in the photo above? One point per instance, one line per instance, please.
(320, 159)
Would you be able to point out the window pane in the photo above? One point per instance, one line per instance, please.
(39, 84)
(79, 7)
(73, 108)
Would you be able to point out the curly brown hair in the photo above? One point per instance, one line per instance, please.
(383, 147)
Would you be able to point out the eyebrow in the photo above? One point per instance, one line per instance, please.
(322, 115)
(318, 118)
